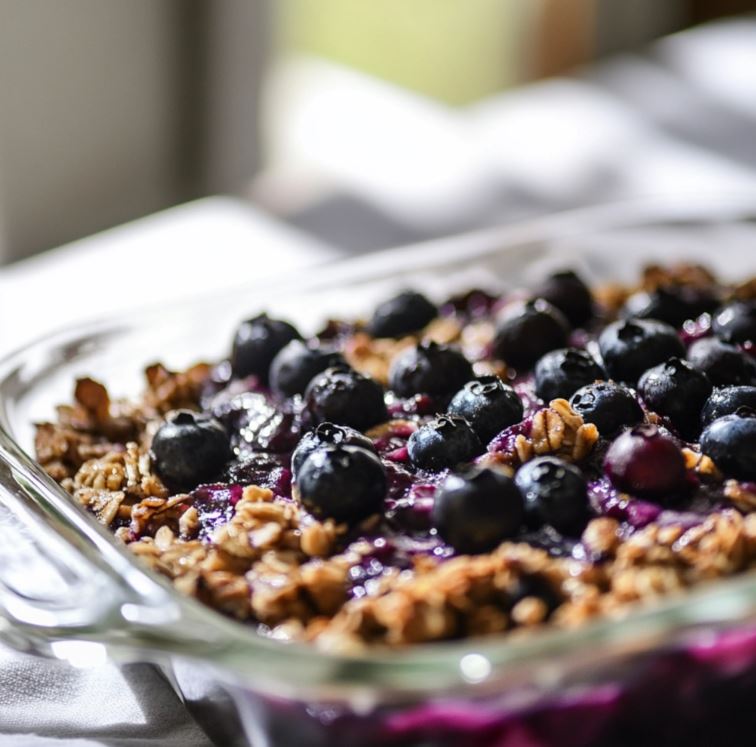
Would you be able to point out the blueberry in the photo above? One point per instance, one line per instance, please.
(609, 406)
(646, 463)
(673, 305)
(327, 434)
(297, 364)
(476, 511)
(555, 493)
(731, 442)
(445, 441)
(736, 322)
(562, 372)
(488, 404)
(630, 347)
(726, 401)
(567, 292)
(677, 391)
(256, 343)
(528, 330)
(724, 364)
(189, 448)
(429, 368)
(343, 396)
(343, 483)
(401, 315)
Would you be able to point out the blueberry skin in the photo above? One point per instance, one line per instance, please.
(560, 373)
(401, 315)
(608, 405)
(476, 511)
(488, 404)
(444, 442)
(735, 323)
(673, 305)
(724, 364)
(343, 483)
(567, 292)
(731, 442)
(429, 368)
(678, 391)
(256, 343)
(726, 401)
(188, 449)
(343, 396)
(528, 330)
(327, 434)
(555, 493)
(297, 364)
(630, 347)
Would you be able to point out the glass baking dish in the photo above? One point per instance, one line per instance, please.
(682, 670)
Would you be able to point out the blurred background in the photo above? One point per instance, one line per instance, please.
(365, 124)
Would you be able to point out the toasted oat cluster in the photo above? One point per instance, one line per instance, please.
(486, 465)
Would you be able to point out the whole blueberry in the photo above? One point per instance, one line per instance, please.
(476, 511)
(562, 372)
(401, 315)
(429, 368)
(731, 442)
(488, 404)
(445, 441)
(528, 330)
(343, 483)
(555, 493)
(343, 396)
(646, 463)
(724, 364)
(297, 364)
(327, 434)
(673, 305)
(256, 343)
(567, 292)
(630, 347)
(188, 449)
(736, 322)
(726, 401)
(678, 391)
(608, 405)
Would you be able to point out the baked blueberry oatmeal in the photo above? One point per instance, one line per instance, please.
(489, 464)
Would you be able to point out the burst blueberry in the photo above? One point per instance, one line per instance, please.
(429, 368)
(401, 315)
(735, 323)
(297, 364)
(724, 364)
(476, 511)
(731, 442)
(256, 343)
(726, 401)
(567, 292)
(444, 442)
(327, 434)
(562, 372)
(488, 404)
(608, 405)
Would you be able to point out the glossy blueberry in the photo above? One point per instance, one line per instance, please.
(445, 441)
(189, 448)
(678, 391)
(731, 442)
(297, 364)
(673, 305)
(401, 315)
(429, 368)
(646, 463)
(562, 372)
(726, 401)
(736, 322)
(256, 343)
(327, 434)
(528, 330)
(475, 511)
(555, 493)
(567, 292)
(343, 396)
(724, 364)
(488, 404)
(608, 405)
(343, 483)
(630, 347)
